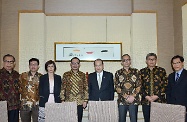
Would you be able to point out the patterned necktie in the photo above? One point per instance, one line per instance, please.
(99, 80)
(75, 83)
(177, 77)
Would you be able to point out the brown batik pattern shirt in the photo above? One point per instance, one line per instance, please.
(29, 89)
(74, 87)
(154, 82)
(9, 88)
(128, 83)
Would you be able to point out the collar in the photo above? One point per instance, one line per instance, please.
(130, 69)
(101, 73)
(179, 72)
(74, 72)
(125, 69)
(5, 71)
(153, 68)
(30, 74)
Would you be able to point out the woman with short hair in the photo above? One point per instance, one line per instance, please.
(49, 88)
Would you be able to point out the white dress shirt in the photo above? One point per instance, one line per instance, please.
(99, 80)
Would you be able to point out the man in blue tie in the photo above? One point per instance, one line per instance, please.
(176, 92)
(177, 75)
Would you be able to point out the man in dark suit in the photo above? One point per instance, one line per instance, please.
(100, 83)
(177, 83)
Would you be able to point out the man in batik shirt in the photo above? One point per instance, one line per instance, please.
(154, 82)
(127, 86)
(29, 82)
(75, 87)
(9, 87)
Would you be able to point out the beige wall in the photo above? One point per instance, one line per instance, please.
(177, 20)
(184, 31)
(9, 24)
(143, 37)
(31, 39)
(39, 32)
(168, 42)
(88, 6)
(165, 40)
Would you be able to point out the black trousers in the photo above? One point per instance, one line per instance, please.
(13, 115)
(146, 112)
(80, 112)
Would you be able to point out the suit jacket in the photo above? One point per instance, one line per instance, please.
(44, 89)
(176, 92)
(106, 92)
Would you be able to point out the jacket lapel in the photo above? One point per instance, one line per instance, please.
(47, 83)
(55, 84)
(103, 80)
(95, 79)
(181, 76)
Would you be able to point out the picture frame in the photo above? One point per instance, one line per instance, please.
(64, 51)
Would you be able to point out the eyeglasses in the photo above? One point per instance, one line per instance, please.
(6, 61)
(176, 63)
(75, 63)
(153, 59)
(33, 64)
(125, 60)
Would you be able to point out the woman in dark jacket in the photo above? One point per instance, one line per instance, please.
(49, 88)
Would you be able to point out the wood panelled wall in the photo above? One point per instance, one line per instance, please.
(165, 35)
(177, 20)
(9, 24)
(88, 6)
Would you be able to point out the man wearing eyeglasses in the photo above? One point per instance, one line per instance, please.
(75, 87)
(29, 83)
(127, 86)
(176, 92)
(100, 83)
(154, 82)
(9, 87)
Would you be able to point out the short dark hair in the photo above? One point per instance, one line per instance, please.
(125, 55)
(9, 55)
(48, 63)
(98, 60)
(34, 59)
(151, 54)
(177, 56)
(75, 58)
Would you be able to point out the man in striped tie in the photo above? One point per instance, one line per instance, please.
(75, 87)
(176, 92)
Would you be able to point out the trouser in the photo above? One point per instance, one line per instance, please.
(27, 113)
(41, 114)
(146, 112)
(13, 115)
(133, 111)
(80, 112)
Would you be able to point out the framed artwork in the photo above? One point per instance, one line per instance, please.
(64, 51)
